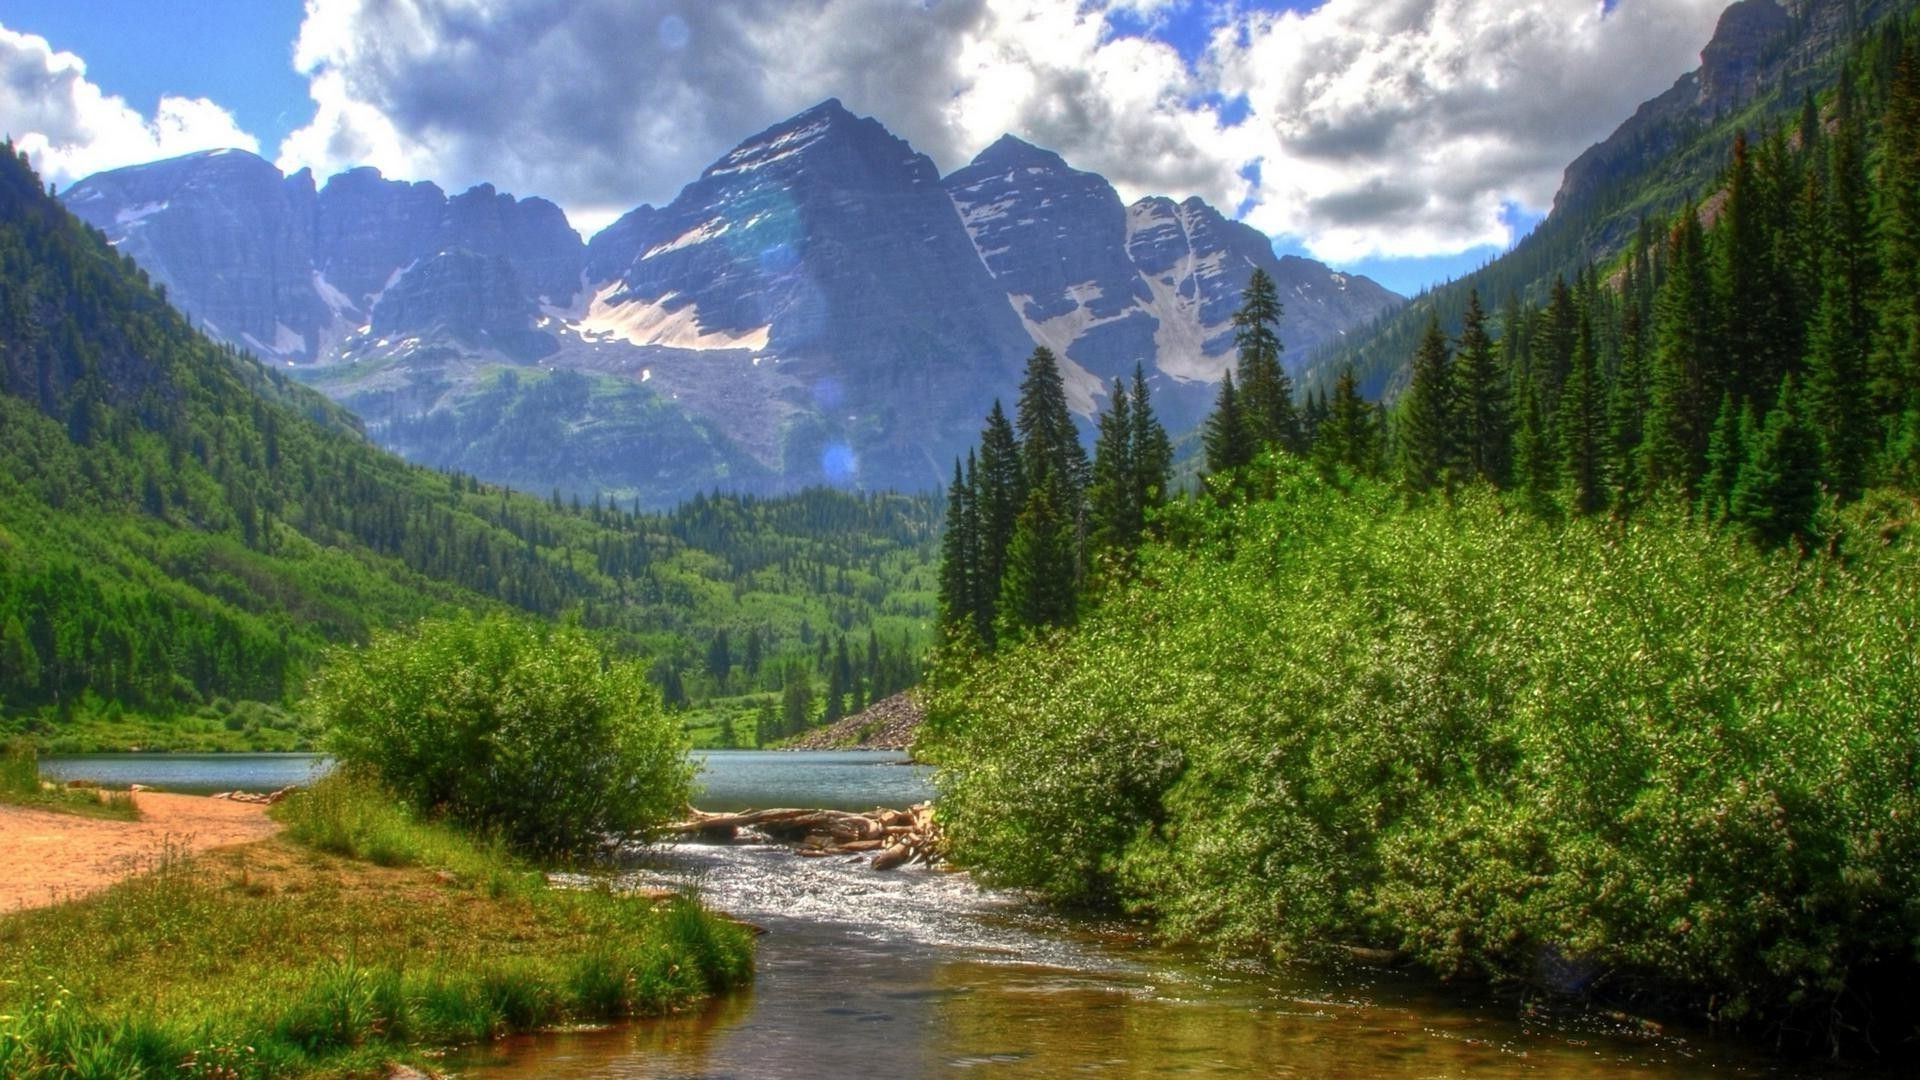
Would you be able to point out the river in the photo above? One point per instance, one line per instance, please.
(918, 973)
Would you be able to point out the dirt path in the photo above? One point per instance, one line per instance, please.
(47, 857)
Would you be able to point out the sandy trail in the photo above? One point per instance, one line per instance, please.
(47, 857)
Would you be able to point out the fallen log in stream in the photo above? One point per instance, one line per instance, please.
(897, 837)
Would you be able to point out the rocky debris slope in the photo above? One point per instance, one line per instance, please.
(887, 724)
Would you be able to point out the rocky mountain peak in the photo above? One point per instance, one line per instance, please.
(1013, 152)
(1734, 63)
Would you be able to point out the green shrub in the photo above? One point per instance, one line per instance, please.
(1567, 753)
(523, 731)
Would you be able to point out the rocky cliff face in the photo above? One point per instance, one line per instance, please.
(1757, 45)
(268, 263)
(820, 305)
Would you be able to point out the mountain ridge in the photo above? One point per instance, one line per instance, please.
(814, 307)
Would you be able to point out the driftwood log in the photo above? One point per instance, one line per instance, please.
(896, 837)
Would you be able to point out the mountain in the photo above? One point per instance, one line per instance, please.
(819, 306)
(1105, 285)
(182, 527)
(1765, 57)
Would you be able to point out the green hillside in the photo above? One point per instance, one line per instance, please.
(183, 531)
(1656, 163)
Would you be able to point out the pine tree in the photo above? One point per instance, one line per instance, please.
(1582, 428)
(1726, 455)
(1050, 449)
(796, 701)
(1152, 451)
(1535, 464)
(1266, 394)
(1348, 438)
(1481, 388)
(1839, 389)
(1039, 590)
(1113, 512)
(1228, 443)
(1428, 450)
(1686, 382)
(1896, 366)
(1778, 492)
(1559, 333)
(1627, 403)
(959, 559)
(1743, 286)
(999, 491)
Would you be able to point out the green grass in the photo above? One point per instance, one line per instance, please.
(360, 936)
(20, 785)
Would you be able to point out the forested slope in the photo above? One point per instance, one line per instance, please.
(183, 528)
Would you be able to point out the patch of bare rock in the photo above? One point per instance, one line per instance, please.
(887, 724)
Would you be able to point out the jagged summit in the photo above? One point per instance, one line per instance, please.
(1013, 152)
(818, 306)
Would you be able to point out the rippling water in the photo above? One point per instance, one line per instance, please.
(920, 973)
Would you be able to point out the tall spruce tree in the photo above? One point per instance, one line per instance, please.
(1583, 423)
(1152, 451)
(1839, 387)
(1227, 440)
(1050, 450)
(959, 559)
(1778, 493)
(1686, 372)
(1896, 367)
(1348, 437)
(1266, 394)
(1744, 292)
(1040, 590)
(1113, 509)
(1000, 490)
(1428, 446)
(1726, 455)
(1481, 389)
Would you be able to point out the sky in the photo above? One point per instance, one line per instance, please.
(1409, 140)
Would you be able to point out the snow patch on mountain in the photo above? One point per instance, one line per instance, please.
(657, 322)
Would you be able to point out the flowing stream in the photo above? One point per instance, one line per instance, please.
(919, 973)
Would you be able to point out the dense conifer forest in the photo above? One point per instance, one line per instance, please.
(1587, 664)
(184, 531)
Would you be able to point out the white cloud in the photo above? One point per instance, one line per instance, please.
(1401, 127)
(69, 128)
(1383, 127)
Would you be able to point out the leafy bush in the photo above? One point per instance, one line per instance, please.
(525, 731)
(1584, 755)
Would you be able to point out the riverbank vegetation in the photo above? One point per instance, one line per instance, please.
(361, 936)
(1589, 664)
(21, 785)
(509, 729)
(1609, 758)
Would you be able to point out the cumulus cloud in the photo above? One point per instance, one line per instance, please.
(70, 128)
(1375, 127)
(1403, 127)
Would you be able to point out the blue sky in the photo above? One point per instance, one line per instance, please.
(1408, 142)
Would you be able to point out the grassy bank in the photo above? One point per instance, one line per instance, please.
(1621, 760)
(358, 937)
(21, 785)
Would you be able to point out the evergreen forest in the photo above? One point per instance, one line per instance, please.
(1587, 663)
(183, 533)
